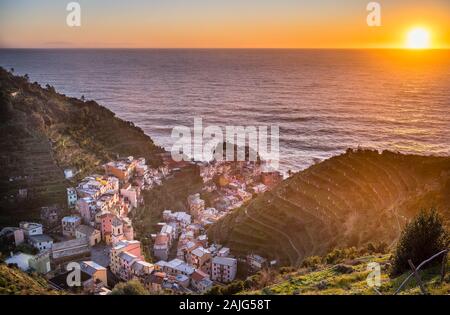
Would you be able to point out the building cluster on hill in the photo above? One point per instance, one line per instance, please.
(97, 231)
(182, 245)
(97, 224)
(229, 185)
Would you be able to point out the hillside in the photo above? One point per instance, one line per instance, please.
(349, 200)
(350, 278)
(14, 281)
(43, 132)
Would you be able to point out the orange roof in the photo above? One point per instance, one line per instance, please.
(198, 275)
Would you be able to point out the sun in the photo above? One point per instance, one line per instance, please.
(418, 38)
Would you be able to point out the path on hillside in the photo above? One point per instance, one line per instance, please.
(299, 255)
(313, 250)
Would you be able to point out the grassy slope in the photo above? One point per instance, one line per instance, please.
(348, 200)
(305, 281)
(15, 281)
(43, 132)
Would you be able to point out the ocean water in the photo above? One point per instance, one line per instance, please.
(324, 101)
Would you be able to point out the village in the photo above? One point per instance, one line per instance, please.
(98, 233)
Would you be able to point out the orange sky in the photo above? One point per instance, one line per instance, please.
(220, 24)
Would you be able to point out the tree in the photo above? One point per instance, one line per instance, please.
(215, 290)
(50, 88)
(420, 239)
(26, 249)
(132, 287)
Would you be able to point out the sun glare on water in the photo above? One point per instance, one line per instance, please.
(418, 38)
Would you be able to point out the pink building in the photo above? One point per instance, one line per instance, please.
(86, 207)
(106, 226)
(131, 193)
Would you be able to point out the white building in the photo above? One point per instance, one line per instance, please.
(31, 228)
(223, 269)
(41, 242)
(21, 260)
(178, 267)
(181, 217)
(68, 173)
(224, 252)
(141, 268)
(256, 262)
(71, 197)
(170, 231)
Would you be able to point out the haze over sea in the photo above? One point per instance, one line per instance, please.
(324, 101)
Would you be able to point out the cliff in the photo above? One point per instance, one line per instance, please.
(44, 132)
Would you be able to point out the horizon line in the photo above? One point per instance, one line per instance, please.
(230, 48)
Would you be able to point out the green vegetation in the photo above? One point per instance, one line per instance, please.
(26, 249)
(15, 281)
(350, 200)
(345, 271)
(346, 277)
(421, 239)
(350, 278)
(132, 287)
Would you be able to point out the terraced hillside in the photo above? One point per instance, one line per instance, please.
(349, 200)
(43, 132)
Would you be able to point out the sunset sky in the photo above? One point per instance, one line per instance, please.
(221, 24)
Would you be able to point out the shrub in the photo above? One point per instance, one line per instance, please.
(132, 287)
(312, 262)
(420, 239)
(267, 291)
(26, 249)
(341, 268)
(289, 269)
(379, 248)
(233, 288)
(215, 290)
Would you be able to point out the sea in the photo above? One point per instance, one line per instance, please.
(323, 101)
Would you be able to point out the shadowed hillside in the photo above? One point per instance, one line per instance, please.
(43, 132)
(349, 200)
